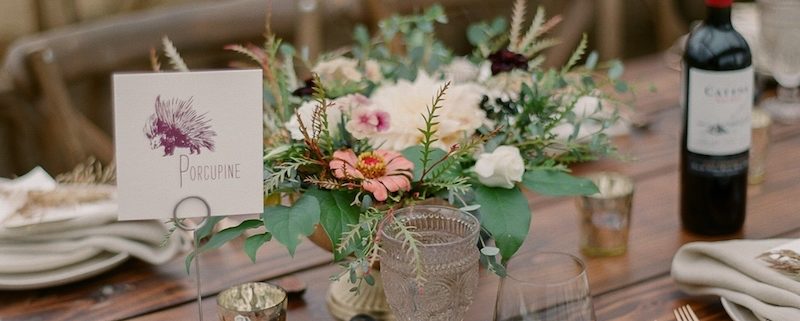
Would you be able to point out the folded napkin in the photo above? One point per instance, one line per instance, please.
(731, 270)
(45, 251)
(55, 232)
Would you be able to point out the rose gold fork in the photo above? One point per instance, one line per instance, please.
(685, 313)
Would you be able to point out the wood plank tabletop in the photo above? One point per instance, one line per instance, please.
(634, 286)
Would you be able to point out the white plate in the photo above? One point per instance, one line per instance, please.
(79, 271)
(738, 312)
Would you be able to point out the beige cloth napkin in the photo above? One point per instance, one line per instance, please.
(730, 269)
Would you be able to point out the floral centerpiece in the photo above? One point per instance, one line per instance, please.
(380, 126)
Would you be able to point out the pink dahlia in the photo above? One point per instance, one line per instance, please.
(380, 171)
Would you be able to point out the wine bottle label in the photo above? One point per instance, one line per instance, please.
(718, 111)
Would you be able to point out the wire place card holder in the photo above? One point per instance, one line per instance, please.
(180, 224)
(185, 141)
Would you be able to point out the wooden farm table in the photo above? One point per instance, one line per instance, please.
(635, 286)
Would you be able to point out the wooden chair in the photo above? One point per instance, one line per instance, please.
(39, 69)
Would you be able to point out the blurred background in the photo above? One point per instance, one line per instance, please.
(58, 55)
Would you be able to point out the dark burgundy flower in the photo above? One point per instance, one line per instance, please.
(505, 60)
(306, 90)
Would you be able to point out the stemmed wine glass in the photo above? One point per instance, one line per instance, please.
(547, 286)
(780, 43)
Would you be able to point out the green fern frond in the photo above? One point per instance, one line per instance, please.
(517, 19)
(247, 52)
(412, 245)
(431, 127)
(540, 45)
(456, 184)
(579, 51)
(533, 30)
(534, 63)
(174, 57)
(319, 120)
(280, 173)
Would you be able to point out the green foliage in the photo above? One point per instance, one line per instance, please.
(430, 130)
(337, 215)
(276, 176)
(412, 246)
(253, 243)
(414, 154)
(420, 50)
(505, 214)
(576, 55)
(219, 238)
(289, 224)
(548, 181)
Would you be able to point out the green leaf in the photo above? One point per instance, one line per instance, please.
(591, 60)
(414, 154)
(252, 243)
(476, 35)
(361, 35)
(616, 70)
(218, 239)
(336, 215)
(557, 183)
(505, 214)
(289, 224)
(621, 87)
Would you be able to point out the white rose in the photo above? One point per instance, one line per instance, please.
(372, 71)
(461, 70)
(500, 168)
(404, 101)
(586, 106)
(338, 70)
(306, 112)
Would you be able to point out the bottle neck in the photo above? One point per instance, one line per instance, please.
(719, 17)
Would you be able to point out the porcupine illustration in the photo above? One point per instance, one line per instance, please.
(176, 124)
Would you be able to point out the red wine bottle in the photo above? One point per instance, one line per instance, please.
(717, 100)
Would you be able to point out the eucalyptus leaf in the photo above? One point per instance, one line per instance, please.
(557, 183)
(621, 87)
(616, 70)
(505, 214)
(253, 243)
(336, 215)
(591, 60)
(361, 35)
(289, 224)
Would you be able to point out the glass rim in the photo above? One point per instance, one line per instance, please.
(629, 184)
(574, 258)
(471, 218)
(278, 303)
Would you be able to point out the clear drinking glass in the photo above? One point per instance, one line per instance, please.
(547, 286)
(448, 260)
(254, 301)
(780, 44)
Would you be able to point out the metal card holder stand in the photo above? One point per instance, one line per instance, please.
(193, 228)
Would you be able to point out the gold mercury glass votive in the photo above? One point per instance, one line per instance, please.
(758, 147)
(605, 216)
(253, 301)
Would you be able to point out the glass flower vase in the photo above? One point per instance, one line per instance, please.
(446, 256)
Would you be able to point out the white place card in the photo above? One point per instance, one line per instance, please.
(189, 134)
